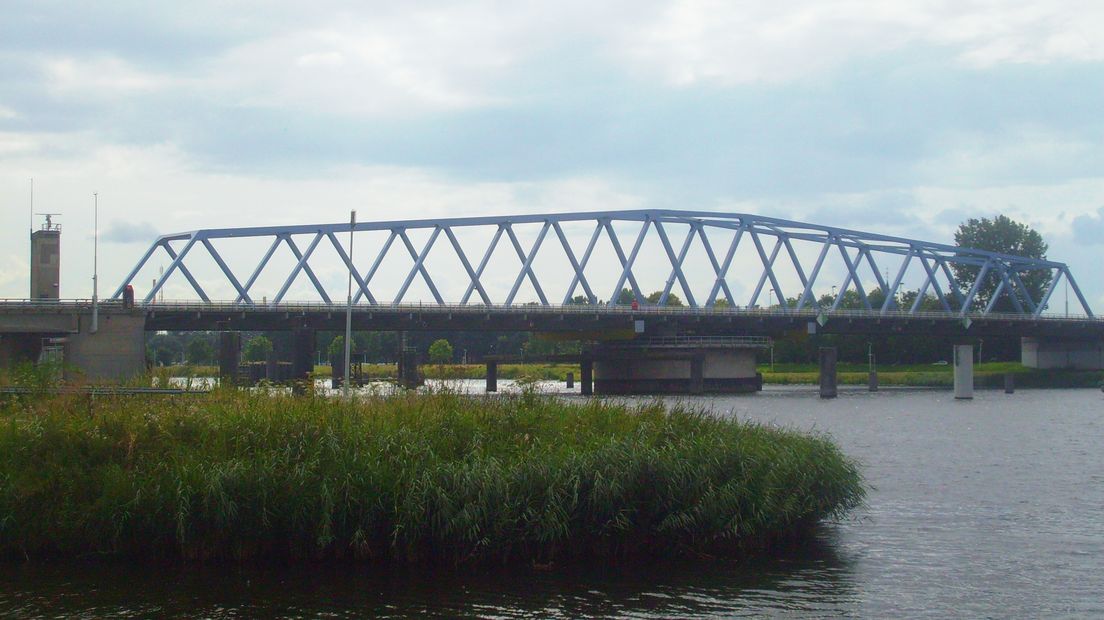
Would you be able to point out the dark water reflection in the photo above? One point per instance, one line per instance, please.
(810, 578)
(989, 508)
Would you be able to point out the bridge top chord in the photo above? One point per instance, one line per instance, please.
(873, 273)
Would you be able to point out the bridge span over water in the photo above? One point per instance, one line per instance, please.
(584, 273)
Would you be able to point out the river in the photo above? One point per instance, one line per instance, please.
(986, 508)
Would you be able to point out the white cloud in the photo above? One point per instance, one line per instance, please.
(694, 41)
(99, 77)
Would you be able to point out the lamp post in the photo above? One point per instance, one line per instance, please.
(349, 309)
(95, 262)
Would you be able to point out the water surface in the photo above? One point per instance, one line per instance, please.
(985, 508)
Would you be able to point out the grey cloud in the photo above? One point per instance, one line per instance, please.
(129, 232)
(1088, 229)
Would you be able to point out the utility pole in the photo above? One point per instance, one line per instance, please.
(349, 309)
(95, 262)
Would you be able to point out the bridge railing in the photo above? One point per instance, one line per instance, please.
(293, 307)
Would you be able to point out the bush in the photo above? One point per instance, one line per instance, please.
(440, 352)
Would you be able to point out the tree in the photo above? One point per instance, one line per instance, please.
(1006, 236)
(672, 299)
(200, 351)
(440, 352)
(257, 349)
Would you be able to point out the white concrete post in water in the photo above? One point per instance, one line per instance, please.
(964, 371)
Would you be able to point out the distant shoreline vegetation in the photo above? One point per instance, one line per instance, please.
(986, 375)
(410, 479)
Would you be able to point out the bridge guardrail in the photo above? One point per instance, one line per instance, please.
(317, 306)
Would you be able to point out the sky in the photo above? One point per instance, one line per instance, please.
(903, 118)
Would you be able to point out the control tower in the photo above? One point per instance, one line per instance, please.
(46, 260)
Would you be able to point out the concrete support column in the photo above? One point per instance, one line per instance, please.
(492, 376)
(1009, 383)
(302, 359)
(337, 370)
(271, 367)
(697, 375)
(872, 381)
(408, 366)
(229, 357)
(586, 377)
(964, 371)
(828, 356)
(570, 380)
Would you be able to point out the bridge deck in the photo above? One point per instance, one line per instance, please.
(589, 320)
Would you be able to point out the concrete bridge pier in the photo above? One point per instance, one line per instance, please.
(302, 360)
(586, 377)
(492, 376)
(229, 357)
(964, 371)
(828, 358)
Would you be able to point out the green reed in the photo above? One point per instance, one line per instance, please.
(409, 478)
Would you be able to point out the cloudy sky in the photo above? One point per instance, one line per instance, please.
(896, 117)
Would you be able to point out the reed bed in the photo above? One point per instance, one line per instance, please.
(412, 478)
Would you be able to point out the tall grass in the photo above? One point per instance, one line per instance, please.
(408, 478)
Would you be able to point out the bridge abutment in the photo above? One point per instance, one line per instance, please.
(1072, 353)
(115, 352)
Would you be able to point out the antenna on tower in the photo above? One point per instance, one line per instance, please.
(50, 225)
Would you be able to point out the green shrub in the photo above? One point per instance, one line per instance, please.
(406, 478)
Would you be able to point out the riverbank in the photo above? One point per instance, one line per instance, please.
(986, 375)
(437, 478)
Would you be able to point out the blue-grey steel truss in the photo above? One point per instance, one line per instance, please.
(854, 247)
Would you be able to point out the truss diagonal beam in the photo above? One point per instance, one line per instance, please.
(527, 263)
(676, 265)
(419, 267)
(382, 254)
(482, 265)
(362, 286)
(579, 267)
(304, 267)
(473, 278)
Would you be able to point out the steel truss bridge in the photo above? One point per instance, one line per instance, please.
(782, 252)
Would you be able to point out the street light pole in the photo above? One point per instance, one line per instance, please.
(349, 309)
(95, 262)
